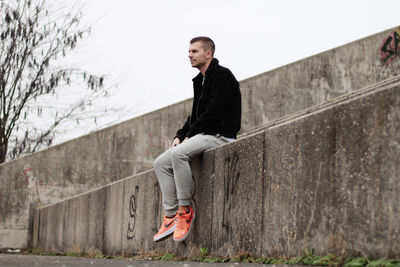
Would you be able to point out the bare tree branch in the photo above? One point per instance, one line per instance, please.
(34, 34)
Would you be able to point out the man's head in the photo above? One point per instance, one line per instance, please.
(206, 42)
(201, 52)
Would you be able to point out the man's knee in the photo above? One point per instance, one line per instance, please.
(156, 163)
(178, 154)
(160, 161)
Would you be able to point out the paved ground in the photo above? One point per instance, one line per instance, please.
(17, 260)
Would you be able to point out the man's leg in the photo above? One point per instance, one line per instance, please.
(163, 169)
(180, 156)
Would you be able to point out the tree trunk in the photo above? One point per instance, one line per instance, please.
(3, 152)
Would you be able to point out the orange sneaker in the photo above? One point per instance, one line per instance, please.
(183, 224)
(167, 228)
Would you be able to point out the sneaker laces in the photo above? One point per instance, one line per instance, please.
(182, 217)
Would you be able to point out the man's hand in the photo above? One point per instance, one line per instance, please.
(176, 141)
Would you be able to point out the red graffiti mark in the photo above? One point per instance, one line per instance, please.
(75, 173)
(35, 185)
(157, 141)
(390, 48)
(20, 181)
(27, 172)
(25, 180)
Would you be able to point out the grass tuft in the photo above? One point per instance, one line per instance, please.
(167, 257)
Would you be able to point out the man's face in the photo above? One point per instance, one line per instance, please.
(198, 57)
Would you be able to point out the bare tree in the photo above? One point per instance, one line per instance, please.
(34, 35)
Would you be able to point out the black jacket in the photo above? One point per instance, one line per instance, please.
(217, 107)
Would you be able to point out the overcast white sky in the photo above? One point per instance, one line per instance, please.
(143, 44)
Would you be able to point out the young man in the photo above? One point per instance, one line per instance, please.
(215, 120)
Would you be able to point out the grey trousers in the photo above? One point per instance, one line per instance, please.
(173, 170)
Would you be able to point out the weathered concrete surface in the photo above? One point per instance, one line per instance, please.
(130, 147)
(237, 191)
(332, 180)
(141, 213)
(327, 180)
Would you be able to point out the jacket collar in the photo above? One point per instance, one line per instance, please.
(213, 65)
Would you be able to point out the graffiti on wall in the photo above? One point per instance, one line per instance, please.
(193, 202)
(390, 47)
(231, 178)
(157, 141)
(26, 180)
(157, 207)
(130, 234)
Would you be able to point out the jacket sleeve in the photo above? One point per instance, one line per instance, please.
(181, 133)
(220, 95)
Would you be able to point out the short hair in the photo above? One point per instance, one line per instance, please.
(208, 44)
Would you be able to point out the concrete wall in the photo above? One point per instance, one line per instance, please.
(130, 147)
(80, 165)
(327, 180)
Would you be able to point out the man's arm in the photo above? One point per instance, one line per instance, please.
(181, 133)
